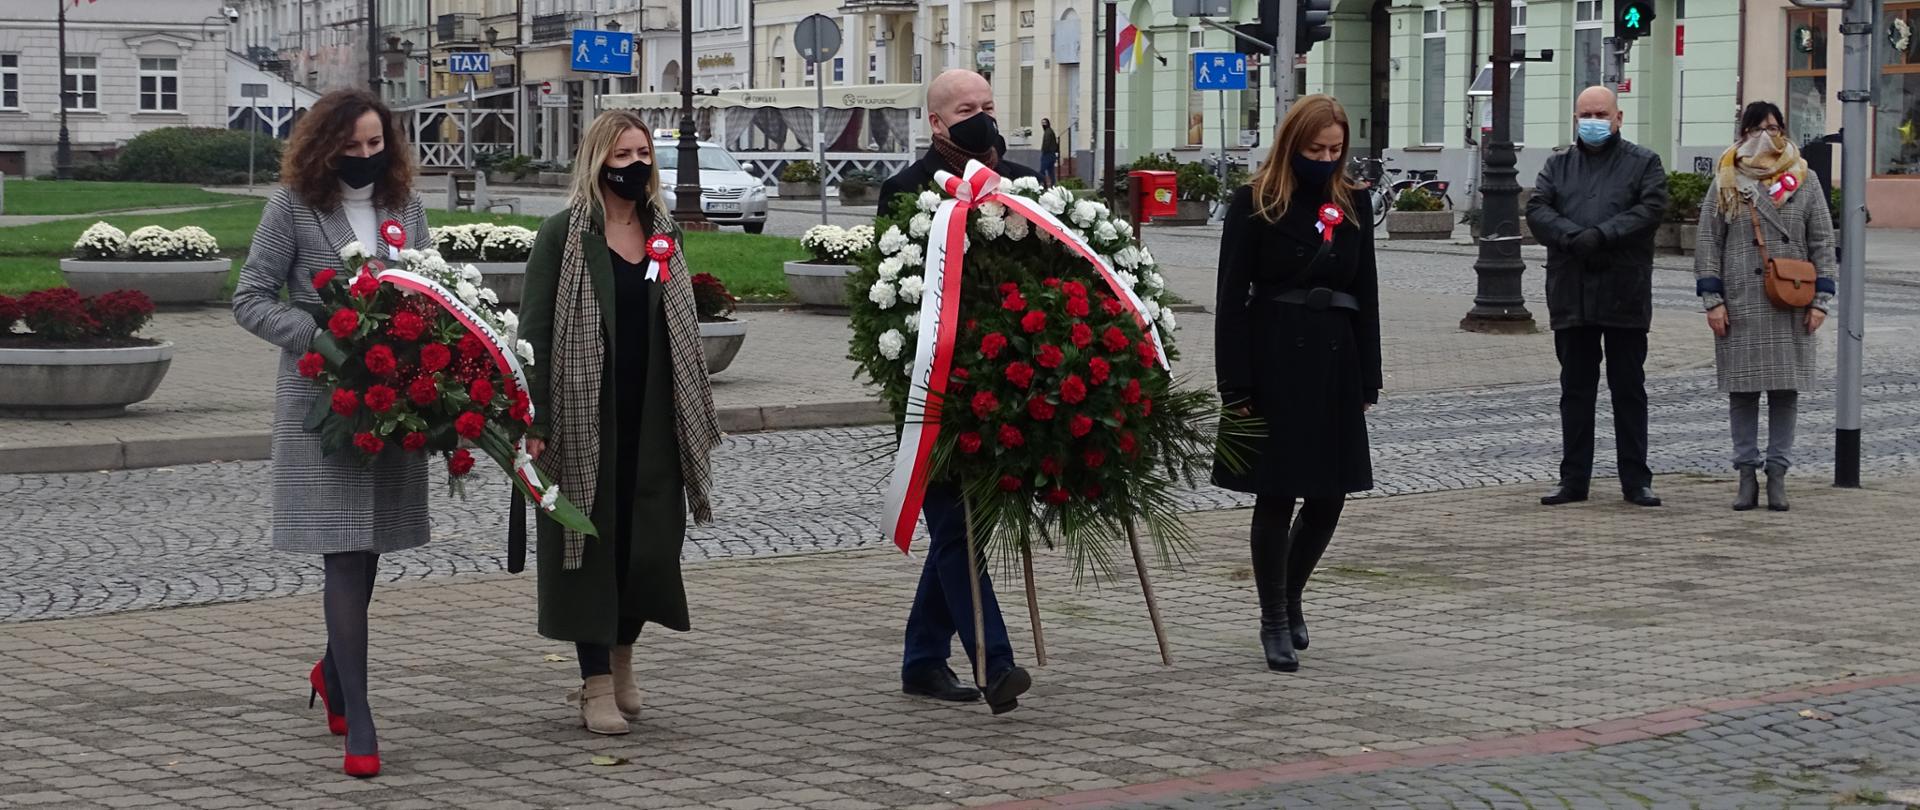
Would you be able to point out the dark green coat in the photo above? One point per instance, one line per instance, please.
(586, 604)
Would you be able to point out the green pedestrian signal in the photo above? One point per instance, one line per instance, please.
(1633, 19)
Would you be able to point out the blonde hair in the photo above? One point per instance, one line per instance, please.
(1273, 187)
(596, 145)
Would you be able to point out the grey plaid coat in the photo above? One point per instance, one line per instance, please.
(1766, 348)
(321, 504)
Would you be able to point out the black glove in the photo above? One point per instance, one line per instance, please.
(1586, 242)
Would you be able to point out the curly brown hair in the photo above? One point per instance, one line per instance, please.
(309, 166)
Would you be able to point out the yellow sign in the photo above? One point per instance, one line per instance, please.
(720, 60)
(1162, 196)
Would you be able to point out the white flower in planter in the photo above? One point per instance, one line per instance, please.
(507, 243)
(891, 342)
(911, 288)
(890, 268)
(196, 244)
(928, 202)
(102, 241)
(153, 244)
(920, 226)
(861, 237)
(883, 294)
(1018, 228)
(463, 241)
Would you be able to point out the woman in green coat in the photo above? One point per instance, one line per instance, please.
(623, 412)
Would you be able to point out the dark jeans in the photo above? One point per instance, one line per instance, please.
(944, 603)
(1047, 162)
(1580, 351)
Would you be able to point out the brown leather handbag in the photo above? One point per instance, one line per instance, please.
(1790, 282)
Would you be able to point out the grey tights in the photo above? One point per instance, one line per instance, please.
(349, 590)
(1783, 410)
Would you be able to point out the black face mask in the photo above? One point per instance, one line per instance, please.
(629, 181)
(1314, 173)
(976, 134)
(359, 172)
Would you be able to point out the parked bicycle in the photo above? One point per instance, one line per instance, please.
(1384, 185)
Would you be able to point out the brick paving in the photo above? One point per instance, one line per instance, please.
(1444, 619)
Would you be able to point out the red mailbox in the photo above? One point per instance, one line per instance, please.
(1155, 194)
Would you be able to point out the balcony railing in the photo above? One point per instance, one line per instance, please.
(457, 28)
(550, 27)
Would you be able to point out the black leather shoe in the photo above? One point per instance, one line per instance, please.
(1776, 488)
(1748, 495)
(939, 684)
(1004, 690)
(1562, 495)
(1643, 496)
(1277, 643)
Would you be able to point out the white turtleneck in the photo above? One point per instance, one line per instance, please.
(357, 203)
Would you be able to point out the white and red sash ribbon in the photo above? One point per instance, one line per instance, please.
(939, 326)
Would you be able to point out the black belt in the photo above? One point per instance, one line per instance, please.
(1317, 299)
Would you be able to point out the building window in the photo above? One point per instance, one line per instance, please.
(9, 81)
(1589, 46)
(839, 70)
(812, 70)
(918, 77)
(1806, 101)
(159, 84)
(1433, 77)
(1196, 40)
(986, 22)
(1896, 131)
(81, 84)
(1026, 19)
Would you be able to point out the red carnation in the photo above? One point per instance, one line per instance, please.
(1009, 483)
(423, 391)
(1073, 390)
(1019, 373)
(1098, 369)
(414, 441)
(1114, 340)
(343, 322)
(435, 356)
(1112, 306)
(1050, 356)
(1146, 406)
(1094, 459)
(521, 412)
(1011, 437)
(1080, 425)
(1131, 394)
(1051, 282)
(380, 398)
(365, 286)
(469, 425)
(345, 402)
(407, 326)
(380, 360)
(311, 364)
(1126, 442)
(1058, 496)
(992, 344)
(481, 392)
(1091, 493)
(1074, 289)
(969, 442)
(1077, 307)
(1013, 302)
(1007, 287)
(323, 278)
(368, 443)
(460, 463)
(472, 346)
(1050, 466)
(959, 374)
(1033, 321)
(1147, 352)
(984, 403)
(1040, 409)
(1082, 335)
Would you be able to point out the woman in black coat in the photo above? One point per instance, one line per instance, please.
(1297, 344)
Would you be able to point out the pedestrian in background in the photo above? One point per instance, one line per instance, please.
(1049, 153)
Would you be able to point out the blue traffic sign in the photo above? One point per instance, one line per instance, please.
(1219, 71)
(603, 51)
(469, 62)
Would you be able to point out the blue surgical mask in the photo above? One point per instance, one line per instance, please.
(1595, 131)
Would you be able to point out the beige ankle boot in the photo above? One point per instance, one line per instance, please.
(626, 693)
(597, 709)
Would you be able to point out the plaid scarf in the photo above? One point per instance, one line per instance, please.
(1751, 167)
(579, 357)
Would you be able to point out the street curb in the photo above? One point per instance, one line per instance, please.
(129, 454)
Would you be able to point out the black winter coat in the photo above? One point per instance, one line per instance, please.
(1620, 188)
(918, 176)
(1307, 373)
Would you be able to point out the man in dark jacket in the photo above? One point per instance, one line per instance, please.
(1595, 207)
(960, 112)
(1049, 153)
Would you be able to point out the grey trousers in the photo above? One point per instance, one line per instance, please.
(1783, 410)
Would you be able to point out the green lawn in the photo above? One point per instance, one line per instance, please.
(29, 254)
(42, 197)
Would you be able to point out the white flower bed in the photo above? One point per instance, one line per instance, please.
(103, 242)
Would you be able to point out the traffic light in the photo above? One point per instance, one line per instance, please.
(1312, 25)
(1254, 30)
(1632, 19)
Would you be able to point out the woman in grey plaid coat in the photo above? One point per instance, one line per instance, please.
(346, 170)
(1759, 347)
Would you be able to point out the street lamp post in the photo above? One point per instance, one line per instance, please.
(63, 153)
(686, 190)
(1498, 303)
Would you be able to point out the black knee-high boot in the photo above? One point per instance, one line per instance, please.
(1271, 517)
(1311, 533)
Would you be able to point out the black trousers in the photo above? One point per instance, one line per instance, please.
(597, 659)
(1625, 351)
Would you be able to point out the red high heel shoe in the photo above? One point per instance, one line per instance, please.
(361, 766)
(336, 723)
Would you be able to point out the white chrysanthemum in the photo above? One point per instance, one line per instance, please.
(353, 253)
(1127, 257)
(196, 244)
(912, 256)
(1027, 185)
(892, 241)
(861, 236)
(1166, 320)
(990, 227)
(153, 243)
(890, 268)
(1018, 228)
(993, 209)
(525, 350)
(102, 241)
(1105, 232)
(927, 202)
(1153, 280)
(507, 243)
(883, 294)
(920, 226)
(913, 322)
(1085, 212)
(891, 342)
(911, 287)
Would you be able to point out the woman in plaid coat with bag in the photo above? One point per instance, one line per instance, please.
(1758, 346)
(622, 411)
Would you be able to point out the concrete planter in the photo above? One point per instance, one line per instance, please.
(1186, 212)
(1689, 236)
(1667, 237)
(167, 283)
(859, 197)
(819, 285)
(555, 179)
(1420, 224)
(799, 191)
(720, 341)
(507, 279)
(79, 383)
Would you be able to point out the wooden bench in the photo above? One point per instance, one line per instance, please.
(469, 191)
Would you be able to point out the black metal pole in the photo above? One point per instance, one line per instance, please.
(373, 46)
(1106, 60)
(686, 189)
(63, 153)
(1498, 303)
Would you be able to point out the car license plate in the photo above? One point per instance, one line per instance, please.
(723, 206)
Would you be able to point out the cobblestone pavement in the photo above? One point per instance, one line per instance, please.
(1858, 749)
(1448, 619)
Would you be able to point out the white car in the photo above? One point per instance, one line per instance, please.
(728, 194)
